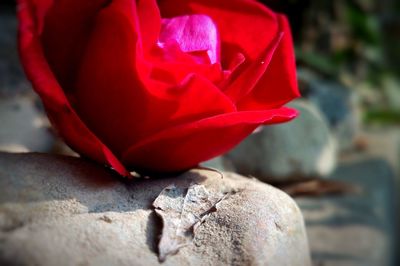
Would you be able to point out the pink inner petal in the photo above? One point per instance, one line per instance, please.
(193, 33)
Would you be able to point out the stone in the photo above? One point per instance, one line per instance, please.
(298, 149)
(219, 163)
(357, 228)
(58, 210)
(12, 78)
(338, 104)
(382, 142)
(23, 126)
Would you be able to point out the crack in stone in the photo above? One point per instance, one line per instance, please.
(182, 211)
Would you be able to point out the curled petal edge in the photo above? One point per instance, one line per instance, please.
(192, 135)
(60, 111)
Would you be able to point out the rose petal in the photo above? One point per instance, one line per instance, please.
(248, 77)
(60, 112)
(270, 81)
(115, 80)
(66, 26)
(245, 26)
(262, 36)
(123, 89)
(162, 71)
(278, 85)
(149, 22)
(193, 33)
(170, 64)
(182, 147)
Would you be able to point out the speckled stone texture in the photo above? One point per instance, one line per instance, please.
(58, 210)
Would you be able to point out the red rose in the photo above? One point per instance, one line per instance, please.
(157, 85)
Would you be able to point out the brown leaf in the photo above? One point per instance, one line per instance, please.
(182, 210)
(319, 187)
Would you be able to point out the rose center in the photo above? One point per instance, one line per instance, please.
(193, 34)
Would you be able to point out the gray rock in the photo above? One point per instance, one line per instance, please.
(23, 126)
(337, 103)
(220, 163)
(12, 78)
(382, 142)
(65, 211)
(301, 148)
(358, 228)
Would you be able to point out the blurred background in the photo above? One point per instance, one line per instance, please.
(340, 159)
(352, 46)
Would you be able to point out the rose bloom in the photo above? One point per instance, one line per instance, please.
(157, 86)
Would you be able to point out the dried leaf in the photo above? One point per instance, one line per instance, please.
(319, 187)
(182, 211)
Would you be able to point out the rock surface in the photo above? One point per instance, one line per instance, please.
(337, 103)
(23, 127)
(382, 143)
(12, 78)
(221, 163)
(300, 148)
(356, 229)
(65, 211)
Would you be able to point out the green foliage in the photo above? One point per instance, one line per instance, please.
(365, 26)
(382, 117)
(318, 62)
(355, 39)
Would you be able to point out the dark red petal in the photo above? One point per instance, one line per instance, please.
(149, 22)
(169, 64)
(117, 97)
(67, 24)
(270, 81)
(278, 85)
(60, 112)
(162, 72)
(245, 26)
(248, 76)
(184, 146)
